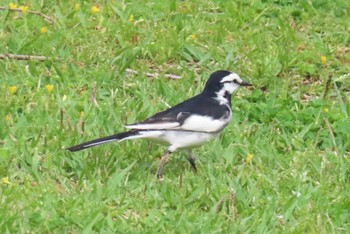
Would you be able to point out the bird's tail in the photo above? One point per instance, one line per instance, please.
(116, 137)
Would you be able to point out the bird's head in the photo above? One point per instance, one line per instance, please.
(224, 83)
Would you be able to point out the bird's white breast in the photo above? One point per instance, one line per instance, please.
(178, 139)
(205, 123)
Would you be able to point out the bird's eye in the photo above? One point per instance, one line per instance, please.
(235, 81)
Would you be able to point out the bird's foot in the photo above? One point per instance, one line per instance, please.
(162, 163)
(191, 158)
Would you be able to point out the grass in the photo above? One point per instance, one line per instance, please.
(281, 166)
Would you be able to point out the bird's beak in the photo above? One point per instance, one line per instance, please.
(245, 83)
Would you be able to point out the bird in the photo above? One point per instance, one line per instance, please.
(186, 125)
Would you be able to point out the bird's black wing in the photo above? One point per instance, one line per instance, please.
(199, 113)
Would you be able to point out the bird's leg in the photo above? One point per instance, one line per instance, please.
(163, 161)
(192, 160)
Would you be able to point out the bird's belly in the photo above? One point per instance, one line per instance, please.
(178, 139)
(206, 123)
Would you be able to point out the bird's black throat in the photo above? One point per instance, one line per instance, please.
(227, 96)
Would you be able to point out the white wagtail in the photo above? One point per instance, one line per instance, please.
(188, 124)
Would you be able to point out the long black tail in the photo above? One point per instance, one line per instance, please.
(103, 140)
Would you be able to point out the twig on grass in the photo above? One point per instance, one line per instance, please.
(180, 181)
(61, 118)
(233, 196)
(152, 75)
(93, 94)
(23, 57)
(43, 58)
(328, 84)
(82, 127)
(221, 202)
(45, 17)
(330, 130)
(227, 197)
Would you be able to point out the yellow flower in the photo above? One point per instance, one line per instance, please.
(12, 5)
(12, 89)
(249, 158)
(323, 59)
(131, 18)
(43, 30)
(325, 110)
(5, 180)
(82, 114)
(95, 9)
(76, 6)
(49, 88)
(24, 9)
(8, 118)
(193, 37)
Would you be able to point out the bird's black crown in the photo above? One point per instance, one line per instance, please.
(214, 84)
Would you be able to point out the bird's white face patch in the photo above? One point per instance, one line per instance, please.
(232, 77)
(227, 87)
(230, 87)
(231, 83)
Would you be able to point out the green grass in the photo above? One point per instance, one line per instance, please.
(295, 125)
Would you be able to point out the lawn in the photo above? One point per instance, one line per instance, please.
(281, 166)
